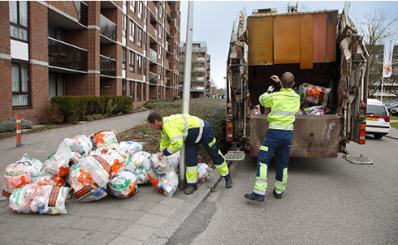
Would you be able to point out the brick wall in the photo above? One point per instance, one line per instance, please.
(66, 7)
(5, 65)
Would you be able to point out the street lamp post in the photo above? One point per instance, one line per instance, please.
(187, 82)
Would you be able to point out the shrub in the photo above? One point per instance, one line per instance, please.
(77, 108)
(52, 115)
(9, 125)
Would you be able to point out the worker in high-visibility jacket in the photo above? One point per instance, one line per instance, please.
(193, 131)
(283, 105)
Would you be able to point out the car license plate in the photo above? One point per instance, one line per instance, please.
(372, 119)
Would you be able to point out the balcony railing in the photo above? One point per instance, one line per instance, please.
(153, 56)
(107, 28)
(198, 79)
(199, 69)
(65, 55)
(153, 78)
(107, 66)
(200, 59)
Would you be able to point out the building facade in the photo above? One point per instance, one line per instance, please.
(86, 48)
(390, 86)
(200, 72)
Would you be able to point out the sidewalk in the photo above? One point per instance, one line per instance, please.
(147, 218)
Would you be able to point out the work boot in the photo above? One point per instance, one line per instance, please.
(255, 197)
(277, 195)
(228, 181)
(190, 188)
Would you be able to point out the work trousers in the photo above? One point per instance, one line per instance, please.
(208, 141)
(278, 143)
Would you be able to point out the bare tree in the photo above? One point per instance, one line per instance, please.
(375, 28)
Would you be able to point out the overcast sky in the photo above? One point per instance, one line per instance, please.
(213, 22)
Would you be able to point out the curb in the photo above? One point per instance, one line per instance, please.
(167, 230)
(391, 137)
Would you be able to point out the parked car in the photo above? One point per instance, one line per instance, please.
(392, 107)
(394, 110)
(377, 119)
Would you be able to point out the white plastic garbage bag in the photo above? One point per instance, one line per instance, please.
(123, 185)
(84, 145)
(26, 170)
(89, 177)
(204, 171)
(140, 165)
(104, 139)
(130, 147)
(58, 163)
(167, 184)
(41, 199)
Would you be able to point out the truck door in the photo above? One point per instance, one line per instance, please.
(352, 88)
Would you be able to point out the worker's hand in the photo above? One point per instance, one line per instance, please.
(270, 89)
(275, 78)
(160, 155)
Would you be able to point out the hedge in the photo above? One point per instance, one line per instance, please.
(77, 108)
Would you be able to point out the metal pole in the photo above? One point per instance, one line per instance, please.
(382, 87)
(187, 81)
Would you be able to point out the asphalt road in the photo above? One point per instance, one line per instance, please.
(328, 201)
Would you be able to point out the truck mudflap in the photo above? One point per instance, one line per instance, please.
(314, 136)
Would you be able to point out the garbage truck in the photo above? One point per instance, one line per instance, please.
(327, 56)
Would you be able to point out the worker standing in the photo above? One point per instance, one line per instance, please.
(284, 105)
(183, 128)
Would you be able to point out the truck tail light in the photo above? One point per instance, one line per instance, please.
(362, 133)
(230, 130)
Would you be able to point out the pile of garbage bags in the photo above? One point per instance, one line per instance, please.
(90, 167)
(313, 98)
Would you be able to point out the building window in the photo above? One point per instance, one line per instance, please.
(132, 6)
(139, 36)
(144, 66)
(132, 90)
(124, 87)
(19, 20)
(124, 58)
(132, 31)
(132, 63)
(56, 85)
(160, 10)
(140, 9)
(139, 64)
(160, 53)
(20, 84)
(124, 25)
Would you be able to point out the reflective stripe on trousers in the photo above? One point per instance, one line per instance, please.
(280, 186)
(192, 174)
(261, 180)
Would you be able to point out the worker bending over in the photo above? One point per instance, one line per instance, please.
(183, 128)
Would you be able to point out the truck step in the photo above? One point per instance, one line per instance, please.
(358, 159)
(235, 156)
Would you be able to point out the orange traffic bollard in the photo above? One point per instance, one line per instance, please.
(18, 128)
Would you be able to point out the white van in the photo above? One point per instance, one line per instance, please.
(377, 119)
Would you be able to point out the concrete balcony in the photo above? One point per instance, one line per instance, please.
(107, 66)
(153, 56)
(66, 57)
(107, 30)
(199, 69)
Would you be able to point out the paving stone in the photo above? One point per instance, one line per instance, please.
(152, 220)
(114, 225)
(63, 236)
(94, 238)
(163, 210)
(132, 215)
(124, 240)
(173, 202)
(25, 232)
(148, 206)
(139, 232)
(87, 223)
(133, 204)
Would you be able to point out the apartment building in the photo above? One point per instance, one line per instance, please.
(54, 48)
(200, 72)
